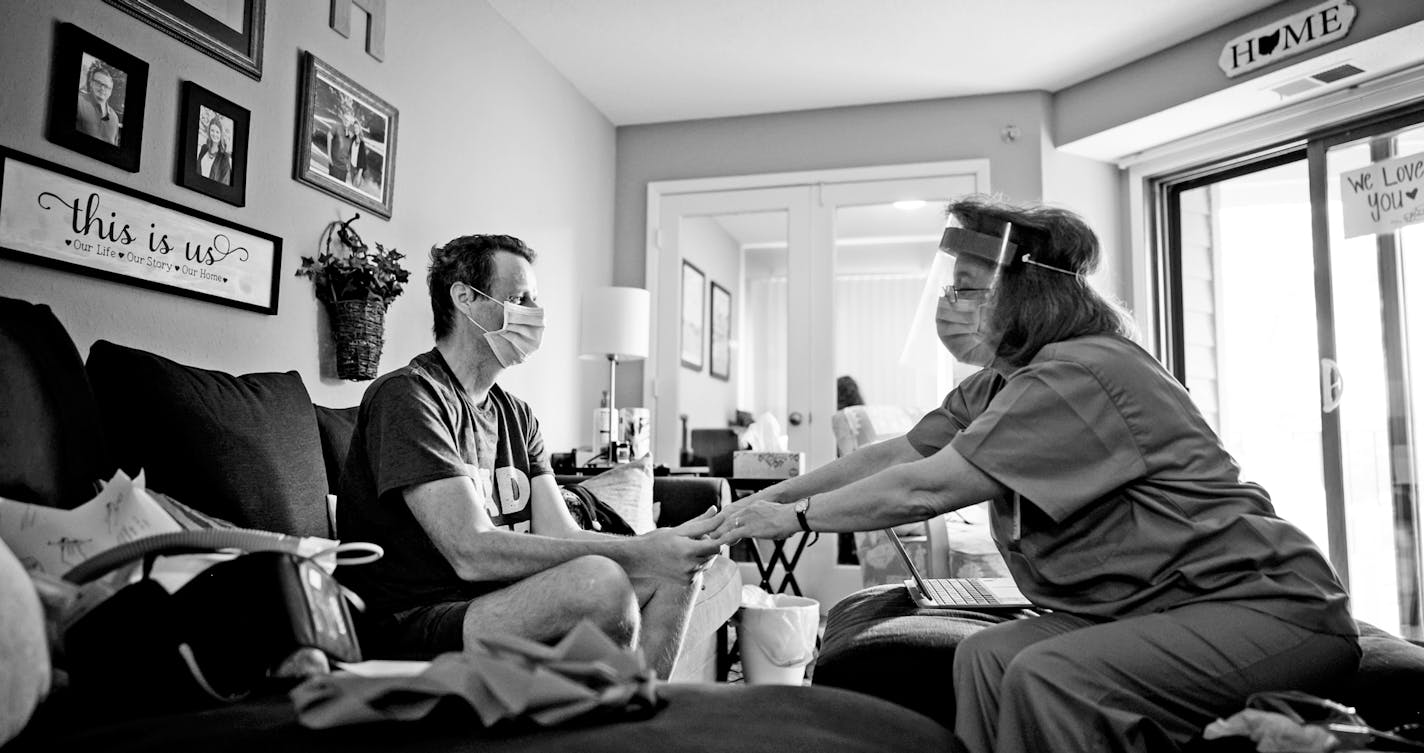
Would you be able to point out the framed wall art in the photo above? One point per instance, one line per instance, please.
(96, 98)
(212, 145)
(694, 341)
(61, 218)
(346, 138)
(229, 30)
(719, 361)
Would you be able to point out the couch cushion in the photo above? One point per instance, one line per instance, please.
(335, 426)
(51, 448)
(1385, 691)
(879, 643)
(628, 489)
(696, 719)
(242, 448)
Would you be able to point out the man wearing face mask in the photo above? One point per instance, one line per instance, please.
(447, 471)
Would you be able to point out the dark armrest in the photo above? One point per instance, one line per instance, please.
(682, 497)
(685, 497)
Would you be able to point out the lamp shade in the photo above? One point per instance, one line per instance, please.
(615, 323)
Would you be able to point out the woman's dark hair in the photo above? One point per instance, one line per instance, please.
(847, 392)
(1034, 306)
(468, 259)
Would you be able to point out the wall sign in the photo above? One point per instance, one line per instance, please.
(1286, 38)
(59, 217)
(1383, 197)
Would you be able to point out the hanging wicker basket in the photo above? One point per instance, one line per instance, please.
(359, 328)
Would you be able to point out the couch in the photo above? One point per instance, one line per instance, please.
(254, 450)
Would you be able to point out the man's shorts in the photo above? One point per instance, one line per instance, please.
(419, 633)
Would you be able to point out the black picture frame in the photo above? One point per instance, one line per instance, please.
(235, 41)
(220, 173)
(138, 239)
(719, 358)
(111, 131)
(694, 312)
(327, 95)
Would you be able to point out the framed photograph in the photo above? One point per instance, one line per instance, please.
(229, 30)
(212, 146)
(61, 218)
(694, 343)
(96, 98)
(346, 138)
(719, 361)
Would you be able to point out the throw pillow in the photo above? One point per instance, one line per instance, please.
(24, 655)
(628, 489)
(241, 448)
(336, 426)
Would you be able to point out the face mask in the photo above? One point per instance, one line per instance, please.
(523, 329)
(963, 329)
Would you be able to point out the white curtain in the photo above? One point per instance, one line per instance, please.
(873, 315)
(764, 330)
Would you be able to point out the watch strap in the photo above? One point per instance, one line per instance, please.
(801, 511)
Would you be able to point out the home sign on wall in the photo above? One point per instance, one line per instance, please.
(1286, 38)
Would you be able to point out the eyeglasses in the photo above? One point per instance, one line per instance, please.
(956, 294)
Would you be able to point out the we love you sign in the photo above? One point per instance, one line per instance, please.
(58, 217)
(1383, 197)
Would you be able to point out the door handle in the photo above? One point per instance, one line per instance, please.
(795, 418)
(1332, 385)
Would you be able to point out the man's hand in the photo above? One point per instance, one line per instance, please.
(677, 553)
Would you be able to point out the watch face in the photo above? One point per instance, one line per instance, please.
(801, 505)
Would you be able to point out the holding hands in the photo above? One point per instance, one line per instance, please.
(754, 518)
(680, 552)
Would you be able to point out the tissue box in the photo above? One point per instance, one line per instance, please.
(754, 464)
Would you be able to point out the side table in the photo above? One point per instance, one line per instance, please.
(766, 567)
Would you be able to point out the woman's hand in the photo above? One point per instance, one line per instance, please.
(677, 553)
(752, 518)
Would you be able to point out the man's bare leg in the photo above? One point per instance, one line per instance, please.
(667, 605)
(546, 606)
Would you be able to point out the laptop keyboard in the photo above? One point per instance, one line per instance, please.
(959, 591)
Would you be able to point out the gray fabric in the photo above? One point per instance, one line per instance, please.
(242, 448)
(415, 426)
(1130, 503)
(1148, 683)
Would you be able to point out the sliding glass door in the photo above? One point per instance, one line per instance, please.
(1301, 347)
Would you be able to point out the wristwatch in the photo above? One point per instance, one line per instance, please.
(801, 506)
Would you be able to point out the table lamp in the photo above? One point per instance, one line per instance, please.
(614, 325)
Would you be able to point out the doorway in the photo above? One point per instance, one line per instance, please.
(828, 276)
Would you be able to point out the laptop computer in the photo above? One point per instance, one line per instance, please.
(958, 593)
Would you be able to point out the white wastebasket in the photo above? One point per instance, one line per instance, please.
(778, 642)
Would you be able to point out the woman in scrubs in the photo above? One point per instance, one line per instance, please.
(1175, 591)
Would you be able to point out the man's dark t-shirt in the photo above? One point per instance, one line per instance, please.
(416, 425)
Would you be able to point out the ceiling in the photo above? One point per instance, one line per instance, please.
(651, 61)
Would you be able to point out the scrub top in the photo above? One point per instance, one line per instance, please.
(1121, 499)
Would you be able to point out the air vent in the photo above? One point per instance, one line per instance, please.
(1292, 88)
(1338, 72)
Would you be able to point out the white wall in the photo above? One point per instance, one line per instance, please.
(491, 140)
(708, 402)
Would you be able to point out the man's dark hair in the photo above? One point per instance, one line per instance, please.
(1033, 306)
(468, 259)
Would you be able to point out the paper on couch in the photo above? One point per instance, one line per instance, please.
(53, 541)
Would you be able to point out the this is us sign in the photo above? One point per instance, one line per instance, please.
(1287, 37)
(61, 218)
(1383, 197)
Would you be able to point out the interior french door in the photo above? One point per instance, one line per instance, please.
(1303, 348)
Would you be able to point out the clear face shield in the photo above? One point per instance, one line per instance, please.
(970, 268)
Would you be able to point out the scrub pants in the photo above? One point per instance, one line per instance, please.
(1060, 682)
